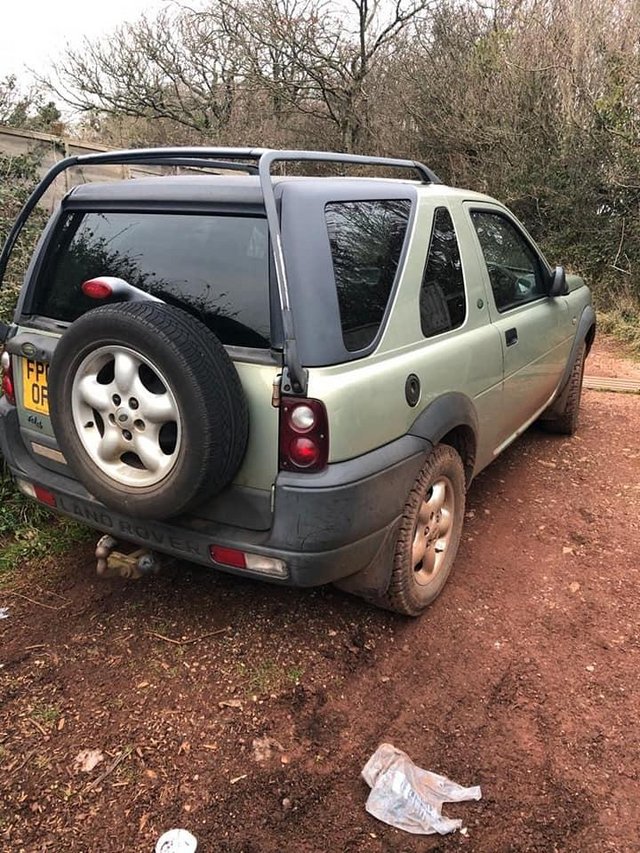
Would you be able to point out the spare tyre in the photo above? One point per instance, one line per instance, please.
(147, 408)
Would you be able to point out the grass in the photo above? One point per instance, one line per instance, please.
(622, 324)
(269, 677)
(46, 714)
(29, 531)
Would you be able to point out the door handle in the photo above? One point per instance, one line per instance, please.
(511, 337)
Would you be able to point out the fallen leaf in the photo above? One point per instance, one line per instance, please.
(264, 748)
(86, 760)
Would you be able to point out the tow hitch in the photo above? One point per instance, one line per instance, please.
(133, 565)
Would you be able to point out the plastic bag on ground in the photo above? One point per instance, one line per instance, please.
(408, 797)
(177, 841)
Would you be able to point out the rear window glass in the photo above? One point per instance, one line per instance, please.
(366, 240)
(216, 267)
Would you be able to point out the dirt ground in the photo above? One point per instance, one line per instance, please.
(245, 712)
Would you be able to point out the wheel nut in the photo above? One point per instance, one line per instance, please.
(116, 399)
(127, 434)
(139, 424)
(133, 403)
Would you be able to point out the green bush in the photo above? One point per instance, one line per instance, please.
(18, 177)
(27, 529)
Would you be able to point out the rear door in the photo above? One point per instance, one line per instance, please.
(213, 264)
(533, 327)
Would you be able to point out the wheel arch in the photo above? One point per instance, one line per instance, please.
(451, 419)
(585, 335)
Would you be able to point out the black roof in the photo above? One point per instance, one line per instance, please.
(203, 188)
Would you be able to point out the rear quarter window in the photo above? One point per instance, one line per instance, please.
(214, 266)
(366, 239)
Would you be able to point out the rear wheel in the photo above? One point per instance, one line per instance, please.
(429, 534)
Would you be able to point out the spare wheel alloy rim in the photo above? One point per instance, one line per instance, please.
(126, 416)
(433, 530)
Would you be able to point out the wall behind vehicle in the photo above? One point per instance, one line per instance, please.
(49, 149)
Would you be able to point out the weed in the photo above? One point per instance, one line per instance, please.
(126, 773)
(46, 714)
(294, 674)
(28, 530)
(42, 762)
(16, 511)
(269, 676)
(163, 626)
(265, 677)
(622, 324)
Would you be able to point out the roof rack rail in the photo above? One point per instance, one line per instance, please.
(260, 160)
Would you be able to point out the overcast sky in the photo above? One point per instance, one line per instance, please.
(34, 32)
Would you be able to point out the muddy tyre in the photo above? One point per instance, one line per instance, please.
(429, 533)
(566, 423)
(147, 408)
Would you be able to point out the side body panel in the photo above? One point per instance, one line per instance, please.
(366, 401)
(536, 340)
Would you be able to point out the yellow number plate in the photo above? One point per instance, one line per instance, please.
(35, 391)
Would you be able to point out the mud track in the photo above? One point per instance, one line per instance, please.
(522, 677)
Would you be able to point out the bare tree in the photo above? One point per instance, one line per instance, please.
(319, 58)
(535, 101)
(195, 67)
(178, 66)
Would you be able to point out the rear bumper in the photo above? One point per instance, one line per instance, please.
(326, 526)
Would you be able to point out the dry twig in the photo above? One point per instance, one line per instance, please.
(125, 754)
(32, 600)
(186, 642)
(40, 728)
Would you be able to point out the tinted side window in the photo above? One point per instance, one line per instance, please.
(215, 267)
(443, 305)
(514, 269)
(366, 240)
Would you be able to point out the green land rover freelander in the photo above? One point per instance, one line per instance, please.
(291, 378)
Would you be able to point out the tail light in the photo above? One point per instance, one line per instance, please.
(7, 378)
(97, 288)
(304, 434)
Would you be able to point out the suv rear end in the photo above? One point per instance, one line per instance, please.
(304, 505)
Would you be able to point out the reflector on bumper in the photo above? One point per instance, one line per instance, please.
(254, 562)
